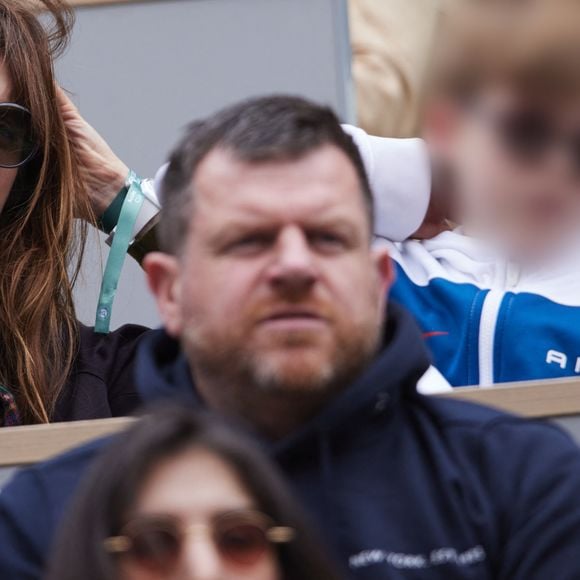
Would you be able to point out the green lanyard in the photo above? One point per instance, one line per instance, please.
(118, 253)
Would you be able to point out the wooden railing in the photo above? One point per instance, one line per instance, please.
(541, 399)
(105, 2)
(536, 399)
(97, 2)
(26, 445)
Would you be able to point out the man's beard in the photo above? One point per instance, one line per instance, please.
(294, 365)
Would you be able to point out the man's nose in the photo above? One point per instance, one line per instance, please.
(293, 268)
(201, 560)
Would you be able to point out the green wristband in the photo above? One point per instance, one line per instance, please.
(108, 221)
(118, 252)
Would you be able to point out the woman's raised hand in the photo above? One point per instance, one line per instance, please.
(103, 173)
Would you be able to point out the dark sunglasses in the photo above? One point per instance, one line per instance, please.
(530, 135)
(156, 542)
(17, 140)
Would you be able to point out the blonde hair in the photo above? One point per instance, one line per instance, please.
(41, 248)
(530, 44)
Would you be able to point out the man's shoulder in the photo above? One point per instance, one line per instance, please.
(32, 506)
(452, 413)
(529, 471)
(495, 431)
(54, 480)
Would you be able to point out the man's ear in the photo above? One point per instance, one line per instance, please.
(164, 282)
(384, 268)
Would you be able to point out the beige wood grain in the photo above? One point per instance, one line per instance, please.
(26, 445)
(99, 2)
(540, 399)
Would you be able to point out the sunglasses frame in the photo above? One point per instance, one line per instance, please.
(36, 147)
(274, 534)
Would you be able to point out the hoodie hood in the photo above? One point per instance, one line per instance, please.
(163, 374)
(162, 371)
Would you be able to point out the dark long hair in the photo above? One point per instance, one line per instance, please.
(108, 495)
(41, 242)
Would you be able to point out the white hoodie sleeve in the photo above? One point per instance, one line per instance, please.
(150, 208)
(433, 383)
(400, 177)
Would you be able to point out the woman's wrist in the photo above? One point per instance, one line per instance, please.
(105, 187)
(143, 239)
(109, 218)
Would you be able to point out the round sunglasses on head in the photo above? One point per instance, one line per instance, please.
(17, 140)
(241, 537)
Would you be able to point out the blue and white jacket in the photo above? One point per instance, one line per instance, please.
(485, 319)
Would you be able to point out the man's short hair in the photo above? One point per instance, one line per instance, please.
(275, 128)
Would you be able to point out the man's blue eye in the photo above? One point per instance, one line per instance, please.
(327, 240)
(250, 243)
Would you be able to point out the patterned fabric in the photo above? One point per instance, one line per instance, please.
(9, 416)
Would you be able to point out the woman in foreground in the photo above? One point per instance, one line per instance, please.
(181, 497)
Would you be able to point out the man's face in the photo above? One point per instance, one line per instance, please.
(517, 171)
(278, 284)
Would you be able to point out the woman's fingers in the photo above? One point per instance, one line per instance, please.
(102, 172)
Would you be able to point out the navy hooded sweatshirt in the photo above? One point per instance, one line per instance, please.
(402, 486)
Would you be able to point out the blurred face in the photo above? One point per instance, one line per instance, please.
(517, 170)
(7, 176)
(277, 286)
(199, 490)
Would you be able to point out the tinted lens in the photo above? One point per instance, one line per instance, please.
(241, 542)
(17, 142)
(575, 153)
(528, 135)
(155, 544)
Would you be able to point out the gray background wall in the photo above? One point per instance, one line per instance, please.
(140, 71)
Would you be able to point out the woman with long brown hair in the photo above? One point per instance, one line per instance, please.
(56, 176)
